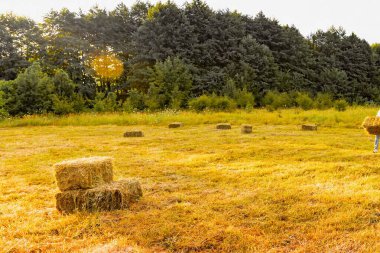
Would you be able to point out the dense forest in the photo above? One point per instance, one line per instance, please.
(154, 57)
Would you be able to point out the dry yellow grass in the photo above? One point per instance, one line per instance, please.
(277, 190)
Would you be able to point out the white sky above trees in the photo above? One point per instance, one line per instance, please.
(361, 17)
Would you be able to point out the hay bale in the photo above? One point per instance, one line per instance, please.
(372, 125)
(134, 134)
(309, 127)
(175, 125)
(246, 129)
(114, 196)
(83, 173)
(223, 126)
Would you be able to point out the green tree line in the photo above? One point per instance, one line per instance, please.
(179, 57)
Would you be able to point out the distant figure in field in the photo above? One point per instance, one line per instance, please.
(377, 138)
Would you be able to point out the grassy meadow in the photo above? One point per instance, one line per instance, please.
(276, 190)
(351, 118)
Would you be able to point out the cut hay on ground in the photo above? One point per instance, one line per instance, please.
(113, 196)
(246, 129)
(134, 134)
(372, 125)
(175, 125)
(223, 126)
(309, 127)
(84, 173)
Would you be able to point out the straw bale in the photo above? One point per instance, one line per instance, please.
(114, 196)
(246, 129)
(84, 173)
(223, 126)
(372, 125)
(134, 134)
(175, 125)
(309, 127)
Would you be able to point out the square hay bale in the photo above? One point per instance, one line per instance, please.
(223, 126)
(114, 196)
(309, 127)
(246, 129)
(130, 134)
(84, 173)
(175, 125)
(372, 125)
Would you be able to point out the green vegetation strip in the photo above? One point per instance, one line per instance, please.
(352, 118)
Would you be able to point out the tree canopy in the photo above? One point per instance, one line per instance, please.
(165, 50)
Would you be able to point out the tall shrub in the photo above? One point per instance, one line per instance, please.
(274, 100)
(30, 93)
(304, 101)
(323, 101)
(170, 83)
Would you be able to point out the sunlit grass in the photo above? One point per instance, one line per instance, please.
(277, 190)
(352, 118)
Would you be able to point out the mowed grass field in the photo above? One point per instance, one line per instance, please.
(277, 190)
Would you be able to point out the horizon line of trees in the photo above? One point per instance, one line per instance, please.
(178, 57)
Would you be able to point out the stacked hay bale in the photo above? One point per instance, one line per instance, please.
(175, 125)
(133, 134)
(309, 127)
(87, 185)
(246, 129)
(372, 125)
(223, 126)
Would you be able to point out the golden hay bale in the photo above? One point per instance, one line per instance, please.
(84, 173)
(114, 196)
(309, 127)
(134, 134)
(246, 129)
(223, 126)
(175, 125)
(372, 125)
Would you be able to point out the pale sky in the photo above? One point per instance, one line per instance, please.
(361, 17)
